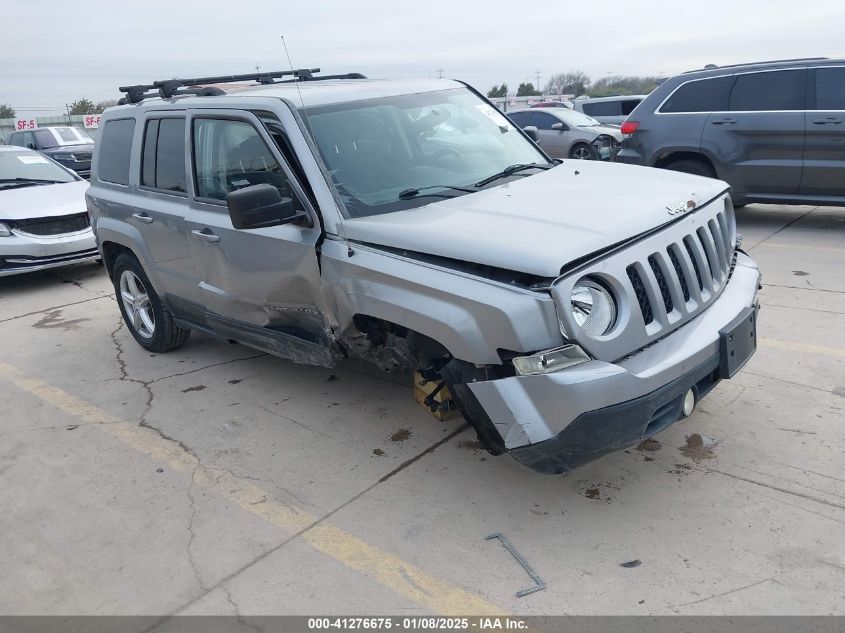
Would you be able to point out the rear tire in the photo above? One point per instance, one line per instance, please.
(583, 151)
(149, 322)
(691, 166)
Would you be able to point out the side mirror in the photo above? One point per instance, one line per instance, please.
(260, 206)
(31, 146)
(531, 131)
(557, 126)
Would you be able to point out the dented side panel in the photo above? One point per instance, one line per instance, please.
(470, 317)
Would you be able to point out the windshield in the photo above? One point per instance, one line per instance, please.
(379, 148)
(61, 137)
(23, 165)
(577, 119)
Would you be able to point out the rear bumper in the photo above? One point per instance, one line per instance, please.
(23, 253)
(629, 156)
(555, 422)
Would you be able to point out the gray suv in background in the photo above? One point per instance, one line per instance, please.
(775, 131)
(571, 308)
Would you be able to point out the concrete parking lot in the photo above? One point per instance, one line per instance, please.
(218, 480)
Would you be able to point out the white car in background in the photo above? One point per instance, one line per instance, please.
(43, 219)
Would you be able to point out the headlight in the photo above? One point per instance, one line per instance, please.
(66, 157)
(550, 360)
(5, 231)
(593, 307)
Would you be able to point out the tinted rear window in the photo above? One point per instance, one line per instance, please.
(163, 155)
(830, 89)
(115, 147)
(703, 95)
(603, 108)
(777, 90)
(629, 105)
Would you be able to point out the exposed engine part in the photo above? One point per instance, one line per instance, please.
(380, 343)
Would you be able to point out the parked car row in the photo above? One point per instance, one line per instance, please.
(68, 146)
(564, 133)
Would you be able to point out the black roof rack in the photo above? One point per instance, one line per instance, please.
(167, 88)
(770, 61)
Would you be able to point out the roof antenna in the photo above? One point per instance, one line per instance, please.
(296, 77)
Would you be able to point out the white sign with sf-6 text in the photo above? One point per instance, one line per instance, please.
(91, 121)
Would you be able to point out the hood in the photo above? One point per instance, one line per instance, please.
(43, 201)
(540, 223)
(70, 148)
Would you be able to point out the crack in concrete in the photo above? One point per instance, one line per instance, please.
(220, 364)
(779, 489)
(59, 307)
(240, 619)
(724, 593)
(191, 534)
(259, 480)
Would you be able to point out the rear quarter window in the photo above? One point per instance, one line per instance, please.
(700, 95)
(115, 148)
(603, 108)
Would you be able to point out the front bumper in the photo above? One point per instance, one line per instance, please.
(23, 252)
(555, 422)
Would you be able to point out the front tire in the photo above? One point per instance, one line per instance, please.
(583, 151)
(149, 322)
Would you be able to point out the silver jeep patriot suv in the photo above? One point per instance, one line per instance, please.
(571, 308)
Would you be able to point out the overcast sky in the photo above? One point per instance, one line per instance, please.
(57, 51)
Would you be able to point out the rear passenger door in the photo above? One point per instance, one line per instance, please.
(759, 140)
(824, 148)
(161, 218)
(263, 278)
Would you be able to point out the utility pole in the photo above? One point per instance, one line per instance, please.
(257, 68)
(67, 107)
(537, 85)
(440, 73)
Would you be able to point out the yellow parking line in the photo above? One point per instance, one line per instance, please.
(382, 567)
(802, 347)
(802, 247)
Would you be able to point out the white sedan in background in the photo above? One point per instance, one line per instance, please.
(43, 218)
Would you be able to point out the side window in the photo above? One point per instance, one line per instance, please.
(16, 138)
(776, 90)
(115, 141)
(702, 95)
(519, 118)
(543, 120)
(44, 139)
(602, 108)
(230, 155)
(830, 89)
(163, 155)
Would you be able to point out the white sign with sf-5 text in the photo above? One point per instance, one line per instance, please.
(25, 124)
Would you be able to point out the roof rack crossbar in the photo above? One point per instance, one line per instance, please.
(167, 88)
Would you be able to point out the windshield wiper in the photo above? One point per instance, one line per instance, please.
(35, 181)
(413, 193)
(512, 169)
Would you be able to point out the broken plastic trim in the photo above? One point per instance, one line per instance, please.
(550, 360)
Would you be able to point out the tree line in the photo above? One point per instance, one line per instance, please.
(80, 106)
(578, 83)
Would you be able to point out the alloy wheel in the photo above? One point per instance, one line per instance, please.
(136, 303)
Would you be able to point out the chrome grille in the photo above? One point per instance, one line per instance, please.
(54, 226)
(661, 281)
(662, 287)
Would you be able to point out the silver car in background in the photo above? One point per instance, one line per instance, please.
(564, 133)
(43, 219)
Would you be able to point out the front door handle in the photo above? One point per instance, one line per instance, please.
(205, 235)
(143, 218)
(828, 120)
(723, 121)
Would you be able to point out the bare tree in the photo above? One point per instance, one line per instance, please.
(574, 82)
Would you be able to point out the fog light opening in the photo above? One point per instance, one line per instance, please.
(689, 403)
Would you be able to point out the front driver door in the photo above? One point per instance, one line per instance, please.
(824, 149)
(555, 142)
(260, 286)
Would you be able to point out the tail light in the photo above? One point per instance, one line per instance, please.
(629, 127)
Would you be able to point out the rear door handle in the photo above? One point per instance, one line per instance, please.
(723, 121)
(143, 218)
(828, 120)
(205, 235)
